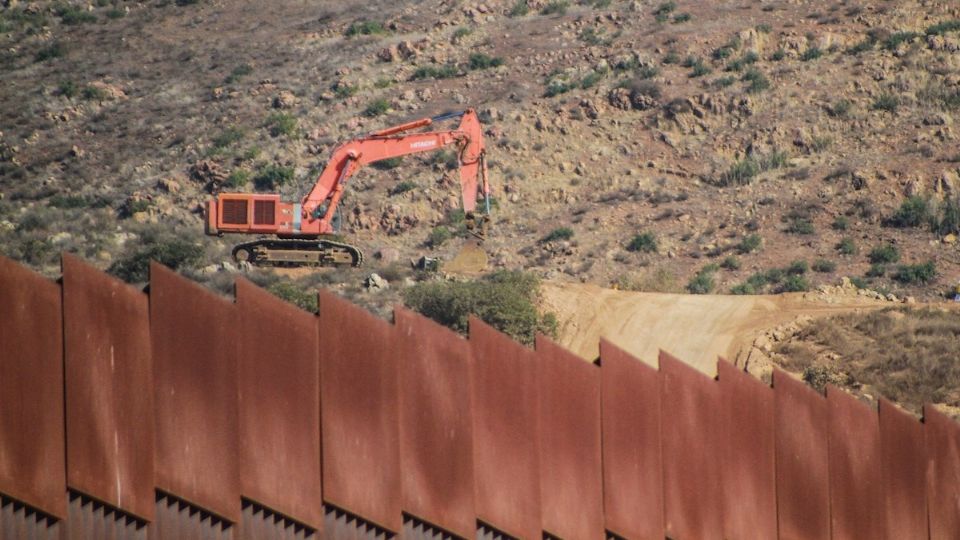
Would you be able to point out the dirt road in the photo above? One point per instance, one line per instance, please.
(694, 328)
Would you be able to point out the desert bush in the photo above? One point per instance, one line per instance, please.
(947, 220)
(55, 50)
(886, 102)
(560, 233)
(484, 61)
(812, 53)
(730, 263)
(272, 176)
(840, 223)
(801, 226)
(591, 79)
(116, 13)
(876, 270)
(377, 107)
(742, 62)
(898, 38)
(227, 137)
(387, 164)
(403, 187)
(723, 82)
(519, 9)
(506, 300)
(913, 212)
(555, 7)
(702, 282)
(461, 32)
(840, 108)
(238, 73)
(749, 244)
(438, 236)
(365, 28)
(916, 274)
(72, 15)
(758, 81)
(741, 172)
(662, 13)
(174, 253)
(238, 178)
(847, 247)
(778, 55)
(644, 242)
(824, 266)
(886, 253)
(282, 124)
(798, 267)
(944, 27)
(794, 283)
(445, 71)
(294, 294)
(682, 18)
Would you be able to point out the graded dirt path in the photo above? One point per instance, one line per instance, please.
(694, 328)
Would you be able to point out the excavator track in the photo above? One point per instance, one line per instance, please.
(293, 252)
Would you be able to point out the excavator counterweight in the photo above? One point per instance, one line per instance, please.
(298, 234)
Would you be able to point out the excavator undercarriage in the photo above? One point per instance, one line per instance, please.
(298, 252)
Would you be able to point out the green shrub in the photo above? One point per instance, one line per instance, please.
(775, 275)
(840, 223)
(238, 178)
(886, 253)
(743, 288)
(681, 18)
(863, 46)
(778, 55)
(798, 267)
(724, 82)
(742, 62)
(555, 7)
(176, 254)
(560, 233)
(859, 282)
(730, 263)
(461, 32)
(519, 9)
(944, 27)
(840, 108)
(812, 53)
(290, 292)
(591, 79)
(913, 212)
(664, 9)
(700, 69)
(228, 137)
(898, 38)
(439, 235)
(948, 220)
(270, 177)
(556, 87)
(794, 283)
(824, 266)
(116, 13)
(282, 124)
(445, 71)
(644, 242)
(506, 300)
(377, 107)
(749, 244)
(238, 73)
(886, 102)
(847, 247)
(54, 50)
(484, 61)
(876, 270)
(740, 173)
(68, 89)
(801, 226)
(758, 81)
(702, 282)
(71, 15)
(403, 187)
(366, 28)
(913, 274)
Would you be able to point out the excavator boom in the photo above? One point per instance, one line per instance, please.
(298, 225)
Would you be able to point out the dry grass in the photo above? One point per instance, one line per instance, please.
(910, 356)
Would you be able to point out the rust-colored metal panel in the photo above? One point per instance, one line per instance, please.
(436, 424)
(748, 469)
(194, 341)
(803, 483)
(279, 391)
(856, 499)
(692, 496)
(571, 474)
(31, 390)
(943, 474)
(109, 389)
(360, 425)
(903, 461)
(632, 464)
(505, 432)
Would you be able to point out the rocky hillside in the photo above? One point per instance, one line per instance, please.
(721, 146)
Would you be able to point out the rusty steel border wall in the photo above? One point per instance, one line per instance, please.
(179, 414)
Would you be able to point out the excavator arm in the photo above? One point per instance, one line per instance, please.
(320, 204)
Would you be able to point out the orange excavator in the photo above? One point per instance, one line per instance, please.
(299, 234)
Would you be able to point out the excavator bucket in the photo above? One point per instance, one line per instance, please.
(471, 259)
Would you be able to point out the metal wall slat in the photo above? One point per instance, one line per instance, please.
(194, 343)
(279, 405)
(690, 423)
(109, 389)
(632, 463)
(360, 425)
(856, 499)
(260, 523)
(31, 390)
(571, 474)
(506, 432)
(803, 483)
(436, 424)
(903, 462)
(747, 464)
(942, 437)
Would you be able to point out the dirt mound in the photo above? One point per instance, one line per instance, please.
(695, 328)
